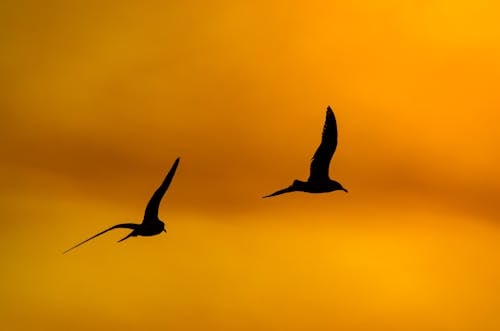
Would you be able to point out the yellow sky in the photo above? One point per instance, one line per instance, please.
(97, 100)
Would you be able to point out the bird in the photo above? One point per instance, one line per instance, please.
(319, 181)
(151, 224)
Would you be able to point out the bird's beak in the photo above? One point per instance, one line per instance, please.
(346, 191)
(164, 230)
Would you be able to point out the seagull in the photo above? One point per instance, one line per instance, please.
(151, 224)
(319, 181)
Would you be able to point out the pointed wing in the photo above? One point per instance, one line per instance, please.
(321, 159)
(124, 225)
(151, 212)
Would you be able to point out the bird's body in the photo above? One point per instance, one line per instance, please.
(151, 225)
(152, 228)
(319, 181)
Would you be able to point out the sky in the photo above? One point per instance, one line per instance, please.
(98, 99)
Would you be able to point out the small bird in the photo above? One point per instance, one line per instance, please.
(319, 181)
(151, 224)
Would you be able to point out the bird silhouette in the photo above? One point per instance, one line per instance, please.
(319, 181)
(151, 224)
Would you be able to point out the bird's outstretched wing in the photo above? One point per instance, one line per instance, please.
(321, 159)
(124, 225)
(151, 212)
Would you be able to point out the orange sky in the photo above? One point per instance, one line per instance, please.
(97, 100)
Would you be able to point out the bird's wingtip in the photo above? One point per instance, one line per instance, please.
(329, 108)
(69, 249)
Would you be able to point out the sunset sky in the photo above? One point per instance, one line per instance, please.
(98, 99)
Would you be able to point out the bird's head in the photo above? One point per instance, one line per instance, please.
(336, 186)
(162, 227)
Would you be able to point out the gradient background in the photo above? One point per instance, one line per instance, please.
(97, 100)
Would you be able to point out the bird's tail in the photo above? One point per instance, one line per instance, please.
(127, 236)
(285, 190)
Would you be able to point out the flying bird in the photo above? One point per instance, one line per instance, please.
(319, 181)
(151, 224)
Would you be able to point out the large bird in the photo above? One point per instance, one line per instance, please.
(319, 181)
(151, 224)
